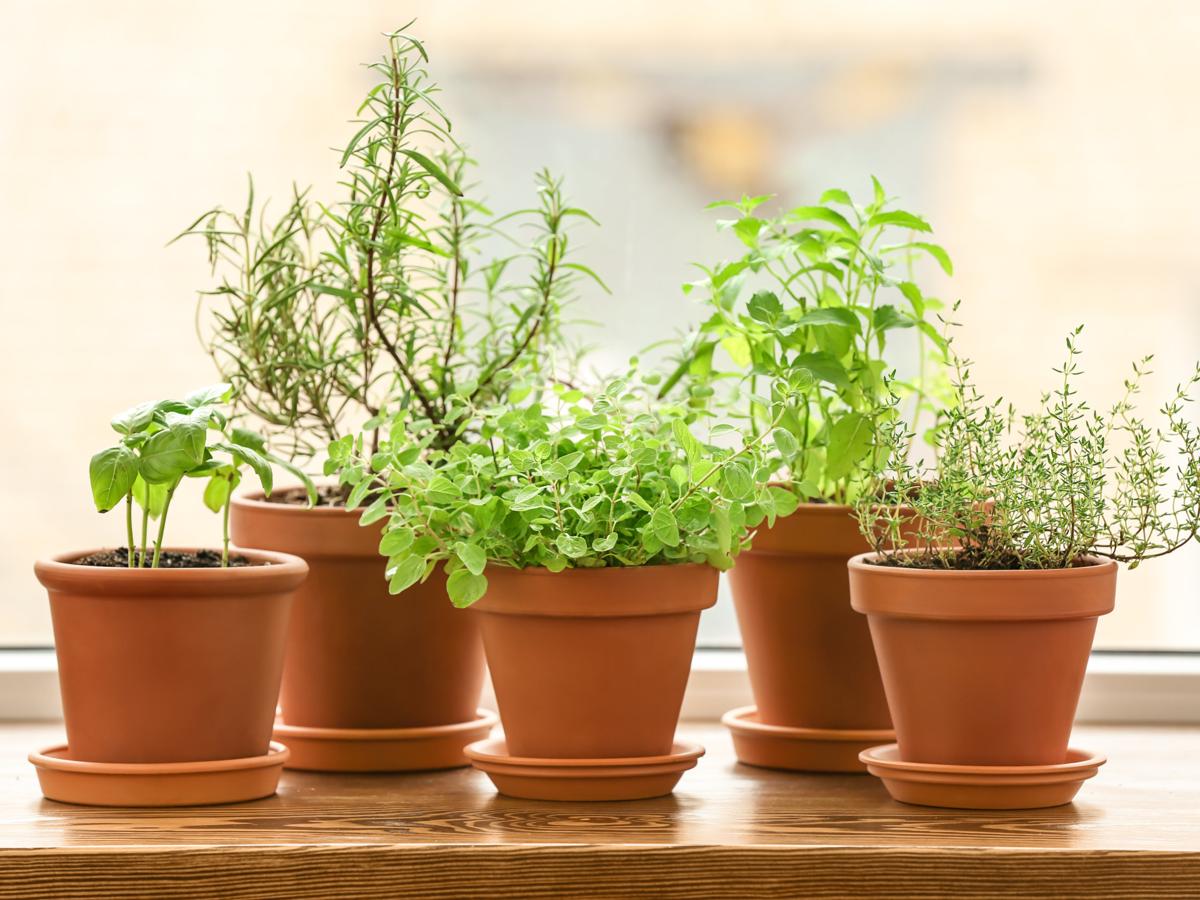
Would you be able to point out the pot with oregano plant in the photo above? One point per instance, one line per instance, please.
(818, 293)
(337, 316)
(169, 660)
(983, 642)
(585, 534)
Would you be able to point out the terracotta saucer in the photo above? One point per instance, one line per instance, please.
(981, 787)
(799, 749)
(157, 784)
(630, 778)
(383, 749)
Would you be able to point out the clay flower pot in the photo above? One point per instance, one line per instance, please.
(170, 665)
(358, 657)
(809, 656)
(982, 667)
(592, 663)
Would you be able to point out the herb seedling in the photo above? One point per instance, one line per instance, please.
(816, 294)
(564, 481)
(163, 443)
(1044, 490)
(338, 314)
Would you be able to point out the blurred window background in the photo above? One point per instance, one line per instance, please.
(1052, 146)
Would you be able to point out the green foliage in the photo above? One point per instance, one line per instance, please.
(815, 296)
(563, 481)
(336, 314)
(163, 443)
(1042, 490)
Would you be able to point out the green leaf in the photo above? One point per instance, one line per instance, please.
(786, 442)
(209, 396)
(886, 318)
(850, 440)
(664, 526)
(433, 169)
(606, 543)
(737, 480)
(405, 574)
(395, 540)
(835, 315)
(465, 587)
(167, 456)
(785, 501)
(939, 253)
(899, 218)
(216, 492)
(150, 497)
(823, 367)
(244, 437)
(571, 546)
(738, 349)
(112, 473)
(134, 419)
(824, 214)
(373, 513)
(836, 195)
(764, 306)
(473, 557)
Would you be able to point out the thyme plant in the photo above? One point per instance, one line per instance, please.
(1043, 490)
(817, 293)
(564, 481)
(335, 315)
(164, 442)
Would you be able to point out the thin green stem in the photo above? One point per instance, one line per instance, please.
(129, 528)
(162, 526)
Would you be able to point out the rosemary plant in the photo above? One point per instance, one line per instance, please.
(333, 315)
(1044, 490)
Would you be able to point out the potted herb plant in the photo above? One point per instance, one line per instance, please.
(818, 292)
(983, 643)
(586, 538)
(169, 656)
(340, 314)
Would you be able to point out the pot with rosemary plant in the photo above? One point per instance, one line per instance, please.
(345, 313)
(819, 291)
(983, 644)
(169, 660)
(585, 535)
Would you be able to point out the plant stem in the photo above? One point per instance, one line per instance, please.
(129, 528)
(162, 526)
(225, 534)
(145, 529)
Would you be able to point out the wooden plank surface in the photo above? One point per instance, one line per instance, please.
(729, 831)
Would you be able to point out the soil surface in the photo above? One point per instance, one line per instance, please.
(327, 495)
(170, 559)
(965, 562)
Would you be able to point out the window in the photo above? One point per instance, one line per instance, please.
(1063, 184)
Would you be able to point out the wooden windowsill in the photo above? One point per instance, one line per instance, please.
(728, 831)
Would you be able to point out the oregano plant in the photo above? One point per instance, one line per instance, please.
(403, 293)
(1045, 489)
(164, 442)
(817, 292)
(562, 481)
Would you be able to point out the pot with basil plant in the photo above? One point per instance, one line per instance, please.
(169, 659)
(821, 290)
(983, 641)
(338, 316)
(585, 533)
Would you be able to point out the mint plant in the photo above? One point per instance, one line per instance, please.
(564, 481)
(164, 442)
(336, 315)
(816, 294)
(1043, 490)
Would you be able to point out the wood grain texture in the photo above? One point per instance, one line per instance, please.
(729, 831)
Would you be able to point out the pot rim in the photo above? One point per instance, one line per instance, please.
(624, 596)
(282, 572)
(257, 500)
(982, 595)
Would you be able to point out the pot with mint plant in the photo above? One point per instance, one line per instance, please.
(983, 642)
(405, 295)
(819, 292)
(585, 535)
(169, 659)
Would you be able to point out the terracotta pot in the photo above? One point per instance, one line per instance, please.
(592, 663)
(983, 667)
(358, 657)
(809, 656)
(170, 665)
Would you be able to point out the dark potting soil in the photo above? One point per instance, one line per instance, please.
(170, 559)
(964, 562)
(327, 495)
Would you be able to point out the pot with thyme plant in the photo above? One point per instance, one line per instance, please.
(586, 538)
(819, 291)
(337, 316)
(169, 660)
(983, 644)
